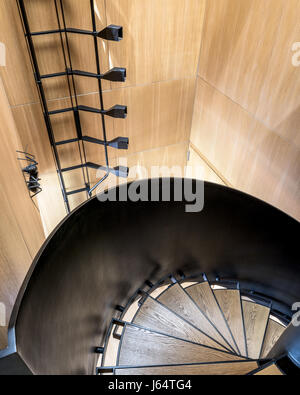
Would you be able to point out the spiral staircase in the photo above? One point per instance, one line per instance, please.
(119, 289)
(188, 327)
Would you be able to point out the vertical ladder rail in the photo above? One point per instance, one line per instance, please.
(37, 75)
(112, 32)
(82, 153)
(94, 27)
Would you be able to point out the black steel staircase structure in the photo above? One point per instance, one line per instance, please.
(106, 257)
(116, 74)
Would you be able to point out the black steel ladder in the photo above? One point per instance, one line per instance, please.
(116, 74)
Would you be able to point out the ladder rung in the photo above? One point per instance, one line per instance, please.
(84, 74)
(61, 111)
(117, 74)
(80, 31)
(53, 75)
(77, 191)
(111, 32)
(67, 30)
(93, 140)
(67, 141)
(72, 168)
(90, 109)
(92, 165)
(44, 32)
(119, 171)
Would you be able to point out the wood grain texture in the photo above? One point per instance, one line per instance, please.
(231, 368)
(21, 232)
(204, 297)
(169, 160)
(255, 319)
(157, 129)
(159, 115)
(256, 160)
(111, 352)
(154, 47)
(274, 331)
(230, 303)
(279, 103)
(248, 98)
(230, 61)
(202, 170)
(34, 138)
(177, 300)
(271, 370)
(155, 316)
(141, 347)
(18, 75)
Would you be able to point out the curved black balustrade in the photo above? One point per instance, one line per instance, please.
(103, 252)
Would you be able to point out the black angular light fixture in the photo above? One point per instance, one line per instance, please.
(116, 74)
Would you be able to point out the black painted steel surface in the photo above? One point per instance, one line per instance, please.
(103, 252)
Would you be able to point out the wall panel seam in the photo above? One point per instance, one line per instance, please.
(211, 166)
(289, 141)
(198, 68)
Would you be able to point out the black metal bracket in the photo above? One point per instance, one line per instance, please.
(117, 111)
(99, 350)
(111, 32)
(120, 308)
(31, 174)
(116, 74)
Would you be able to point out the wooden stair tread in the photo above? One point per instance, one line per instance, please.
(153, 315)
(256, 319)
(140, 347)
(177, 300)
(204, 297)
(230, 368)
(274, 331)
(230, 303)
(271, 370)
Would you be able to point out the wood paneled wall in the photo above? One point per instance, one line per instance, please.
(160, 50)
(247, 108)
(21, 232)
(235, 54)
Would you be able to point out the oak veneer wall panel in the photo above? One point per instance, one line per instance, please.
(197, 168)
(50, 202)
(12, 180)
(279, 103)
(250, 156)
(170, 159)
(33, 135)
(159, 115)
(21, 232)
(70, 154)
(78, 15)
(265, 82)
(49, 49)
(239, 39)
(17, 75)
(161, 38)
